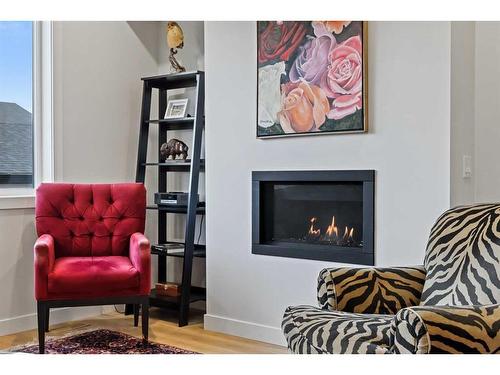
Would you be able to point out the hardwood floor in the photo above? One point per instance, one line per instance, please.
(163, 329)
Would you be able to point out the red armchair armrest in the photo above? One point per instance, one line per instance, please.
(140, 256)
(44, 261)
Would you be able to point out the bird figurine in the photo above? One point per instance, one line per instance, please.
(175, 40)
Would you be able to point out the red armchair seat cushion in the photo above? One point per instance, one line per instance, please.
(92, 277)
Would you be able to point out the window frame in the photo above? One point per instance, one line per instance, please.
(43, 120)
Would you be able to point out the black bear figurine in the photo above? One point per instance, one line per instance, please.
(173, 148)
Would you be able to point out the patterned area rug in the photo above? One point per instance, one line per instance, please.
(101, 341)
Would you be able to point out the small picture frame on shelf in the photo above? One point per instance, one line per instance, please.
(176, 108)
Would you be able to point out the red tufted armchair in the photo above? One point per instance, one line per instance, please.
(91, 249)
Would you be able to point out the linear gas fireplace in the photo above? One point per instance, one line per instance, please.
(323, 215)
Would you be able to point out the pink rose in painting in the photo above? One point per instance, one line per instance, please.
(344, 75)
(303, 108)
(345, 105)
(312, 60)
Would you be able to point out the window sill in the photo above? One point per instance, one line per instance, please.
(17, 202)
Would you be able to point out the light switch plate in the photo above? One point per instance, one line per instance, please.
(467, 166)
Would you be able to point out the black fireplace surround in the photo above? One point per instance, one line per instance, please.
(321, 215)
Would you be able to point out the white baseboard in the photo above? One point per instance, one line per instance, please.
(249, 330)
(109, 309)
(29, 321)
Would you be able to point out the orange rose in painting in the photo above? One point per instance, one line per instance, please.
(303, 108)
(335, 27)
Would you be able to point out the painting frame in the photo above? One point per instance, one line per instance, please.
(364, 93)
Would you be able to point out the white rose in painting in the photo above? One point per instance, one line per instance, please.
(269, 94)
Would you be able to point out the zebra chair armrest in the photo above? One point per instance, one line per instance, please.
(370, 290)
(446, 329)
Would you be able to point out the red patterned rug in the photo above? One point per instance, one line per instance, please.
(101, 341)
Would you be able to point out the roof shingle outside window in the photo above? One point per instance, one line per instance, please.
(16, 142)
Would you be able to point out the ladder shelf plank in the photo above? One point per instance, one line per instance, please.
(200, 210)
(177, 249)
(197, 294)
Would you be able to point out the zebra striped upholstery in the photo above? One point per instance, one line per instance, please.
(314, 331)
(463, 257)
(446, 329)
(375, 310)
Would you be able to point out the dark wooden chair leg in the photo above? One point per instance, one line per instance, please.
(47, 319)
(41, 311)
(129, 309)
(184, 314)
(145, 319)
(136, 315)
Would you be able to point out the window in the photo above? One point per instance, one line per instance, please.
(26, 132)
(16, 103)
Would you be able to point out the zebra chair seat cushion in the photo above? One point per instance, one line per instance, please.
(315, 331)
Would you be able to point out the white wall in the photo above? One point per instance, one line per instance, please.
(97, 96)
(17, 236)
(487, 112)
(475, 111)
(408, 145)
(98, 77)
(462, 110)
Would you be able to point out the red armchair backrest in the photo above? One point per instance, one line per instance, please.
(90, 220)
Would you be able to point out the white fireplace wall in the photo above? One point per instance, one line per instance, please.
(487, 111)
(408, 145)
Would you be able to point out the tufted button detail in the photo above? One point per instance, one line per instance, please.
(76, 212)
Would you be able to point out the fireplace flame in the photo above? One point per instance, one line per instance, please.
(346, 233)
(331, 228)
(331, 234)
(312, 231)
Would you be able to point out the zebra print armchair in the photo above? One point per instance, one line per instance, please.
(450, 305)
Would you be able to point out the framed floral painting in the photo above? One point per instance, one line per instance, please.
(311, 77)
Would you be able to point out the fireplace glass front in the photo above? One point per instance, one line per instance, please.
(324, 215)
(327, 213)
